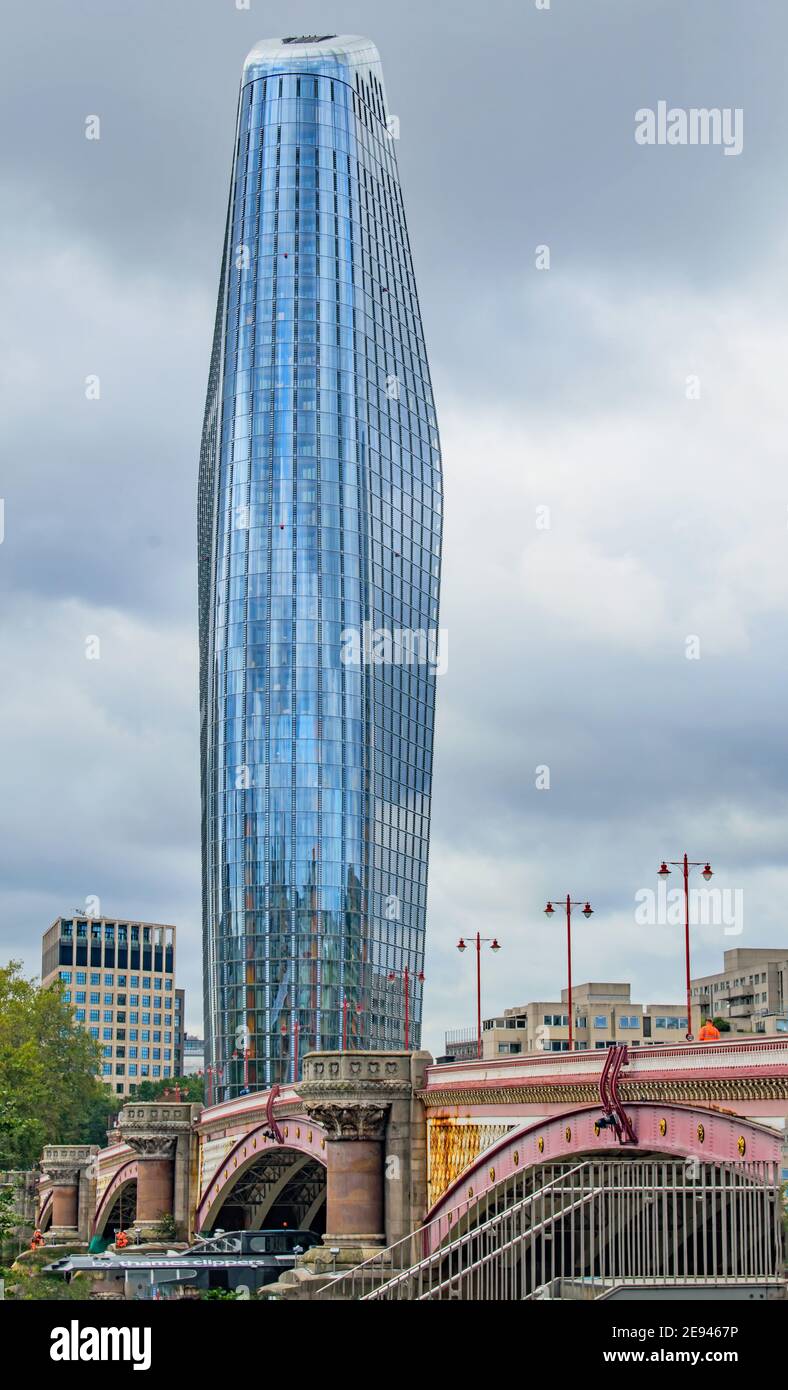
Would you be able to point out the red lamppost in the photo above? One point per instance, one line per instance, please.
(587, 912)
(685, 865)
(296, 1031)
(406, 977)
(245, 1055)
(345, 1007)
(494, 946)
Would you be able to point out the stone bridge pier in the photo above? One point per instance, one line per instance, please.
(71, 1171)
(162, 1135)
(376, 1168)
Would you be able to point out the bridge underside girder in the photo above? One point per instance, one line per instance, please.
(121, 1212)
(282, 1188)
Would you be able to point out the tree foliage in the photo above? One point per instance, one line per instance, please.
(166, 1229)
(189, 1087)
(49, 1091)
(8, 1214)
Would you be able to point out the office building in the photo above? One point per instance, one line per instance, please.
(750, 993)
(604, 1015)
(193, 1056)
(119, 978)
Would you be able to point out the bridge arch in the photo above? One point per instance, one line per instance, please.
(118, 1190)
(44, 1220)
(670, 1130)
(260, 1177)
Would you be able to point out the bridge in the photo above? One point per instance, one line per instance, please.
(404, 1166)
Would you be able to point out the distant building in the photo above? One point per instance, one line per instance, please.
(193, 1055)
(461, 1045)
(750, 992)
(604, 1015)
(179, 1032)
(119, 978)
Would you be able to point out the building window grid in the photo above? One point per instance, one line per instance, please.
(386, 767)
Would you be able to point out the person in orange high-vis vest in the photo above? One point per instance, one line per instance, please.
(708, 1032)
(121, 1240)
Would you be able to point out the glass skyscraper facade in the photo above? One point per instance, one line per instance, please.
(320, 509)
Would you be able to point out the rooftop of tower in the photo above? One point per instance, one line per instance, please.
(327, 55)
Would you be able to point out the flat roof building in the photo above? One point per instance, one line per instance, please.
(119, 978)
(750, 993)
(193, 1055)
(604, 1015)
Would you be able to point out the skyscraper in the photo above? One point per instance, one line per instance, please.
(319, 562)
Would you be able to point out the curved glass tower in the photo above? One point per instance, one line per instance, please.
(319, 567)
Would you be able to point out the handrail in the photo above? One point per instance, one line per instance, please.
(489, 1258)
(423, 1233)
(443, 1251)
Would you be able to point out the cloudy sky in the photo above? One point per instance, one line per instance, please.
(564, 389)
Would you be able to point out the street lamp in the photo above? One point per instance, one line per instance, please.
(685, 865)
(587, 910)
(245, 1054)
(406, 977)
(356, 1009)
(296, 1031)
(494, 946)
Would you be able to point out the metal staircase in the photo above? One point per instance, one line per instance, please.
(580, 1229)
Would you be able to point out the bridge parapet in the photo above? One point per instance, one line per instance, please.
(243, 1113)
(754, 1069)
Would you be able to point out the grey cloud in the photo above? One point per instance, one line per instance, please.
(563, 387)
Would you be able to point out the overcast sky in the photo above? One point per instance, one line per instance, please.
(564, 389)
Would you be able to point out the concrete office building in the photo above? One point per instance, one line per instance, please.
(750, 993)
(604, 1015)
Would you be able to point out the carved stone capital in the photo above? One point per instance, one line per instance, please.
(63, 1174)
(63, 1163)
(349, 1121)
(151, 1145)
(152, 1128)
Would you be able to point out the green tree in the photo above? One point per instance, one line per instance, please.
(8, 1215)
(100, 1111)
(189, 1087)
(49, 1091)
(166, 1228)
